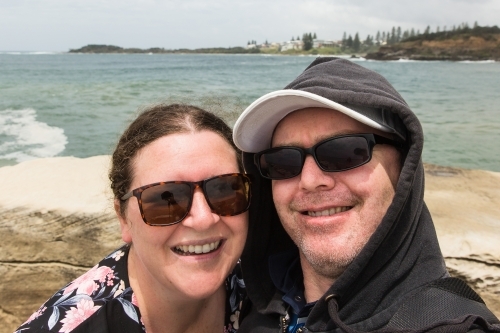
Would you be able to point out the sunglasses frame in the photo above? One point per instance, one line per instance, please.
(371, 139)
(193, 185)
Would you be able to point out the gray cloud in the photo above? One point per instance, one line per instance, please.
(59, 25)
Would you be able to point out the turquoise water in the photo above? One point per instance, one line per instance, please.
(78, 104)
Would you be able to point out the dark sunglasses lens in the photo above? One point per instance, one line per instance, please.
(228, 195)
(343, 153)
(166, 204)
(281, 163)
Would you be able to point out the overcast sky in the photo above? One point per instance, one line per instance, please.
(60, 25)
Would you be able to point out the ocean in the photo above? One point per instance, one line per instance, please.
(57, 104)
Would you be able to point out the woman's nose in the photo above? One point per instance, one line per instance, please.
(200, 215)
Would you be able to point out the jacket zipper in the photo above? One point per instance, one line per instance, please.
(284, 321)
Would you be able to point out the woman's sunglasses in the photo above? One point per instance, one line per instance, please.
(338, 153)
(167, 203)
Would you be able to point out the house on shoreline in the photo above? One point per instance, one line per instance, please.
(293, 45)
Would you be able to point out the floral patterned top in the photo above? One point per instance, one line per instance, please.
(102, 301)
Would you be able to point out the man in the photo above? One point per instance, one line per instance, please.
(340, 239)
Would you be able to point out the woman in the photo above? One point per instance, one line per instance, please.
(181, 201)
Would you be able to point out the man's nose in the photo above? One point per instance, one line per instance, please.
(200, 216)
(312, 178)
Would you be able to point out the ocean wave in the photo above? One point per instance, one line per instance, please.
(29, 52)
(477, 61)
(23, 137)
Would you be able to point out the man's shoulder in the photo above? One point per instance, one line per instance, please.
(443, 300)
(447, 302)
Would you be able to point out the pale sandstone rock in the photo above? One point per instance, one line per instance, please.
(57, 221)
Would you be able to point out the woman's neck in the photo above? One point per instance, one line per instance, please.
(164, 310)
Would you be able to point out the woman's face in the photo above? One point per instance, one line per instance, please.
(157, 262)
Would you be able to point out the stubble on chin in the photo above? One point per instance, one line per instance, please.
(325, 258)
(323, 253)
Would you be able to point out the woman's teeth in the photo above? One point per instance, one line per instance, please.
(197, 249)
(328, 212)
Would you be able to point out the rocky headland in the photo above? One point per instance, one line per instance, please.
(476, 44)
(57, 221)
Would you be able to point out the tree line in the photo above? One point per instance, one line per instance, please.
(397, 35)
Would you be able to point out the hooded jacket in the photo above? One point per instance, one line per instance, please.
(399, 281)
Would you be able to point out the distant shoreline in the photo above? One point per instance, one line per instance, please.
(466, 44)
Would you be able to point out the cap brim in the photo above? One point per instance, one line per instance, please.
(254, 128)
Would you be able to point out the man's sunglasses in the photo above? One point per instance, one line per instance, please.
(167, 203)
(338, 153)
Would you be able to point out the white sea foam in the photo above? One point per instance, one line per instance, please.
(29, 52)
(23, 138)
(477, 61)
(406, 60)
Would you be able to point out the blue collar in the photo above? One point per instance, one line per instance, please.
(287, 277)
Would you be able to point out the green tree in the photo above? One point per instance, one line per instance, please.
(349, 41)
(356, 43)
(308, 42)
(314, 36)
(368, 41)
(393, 36)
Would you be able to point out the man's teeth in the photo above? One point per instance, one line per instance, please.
(328, 212)
(197, 249)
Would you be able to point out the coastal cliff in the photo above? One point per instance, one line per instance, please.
(476, 44)
(57, 221)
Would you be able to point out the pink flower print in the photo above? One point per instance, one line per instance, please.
(75, 316)
(117, 255)
(35, 315)
(134, 300)
(120, 289)
(85, 284)
(234, 318)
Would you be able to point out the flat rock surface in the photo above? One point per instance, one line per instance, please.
(57, 221)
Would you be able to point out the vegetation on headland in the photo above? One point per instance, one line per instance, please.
(459, 43)
(95, 48)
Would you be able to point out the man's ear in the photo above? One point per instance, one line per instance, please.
(124, 224)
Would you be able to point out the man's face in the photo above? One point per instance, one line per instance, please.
(331, 215)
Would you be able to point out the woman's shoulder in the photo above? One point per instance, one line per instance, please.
(86, 296)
